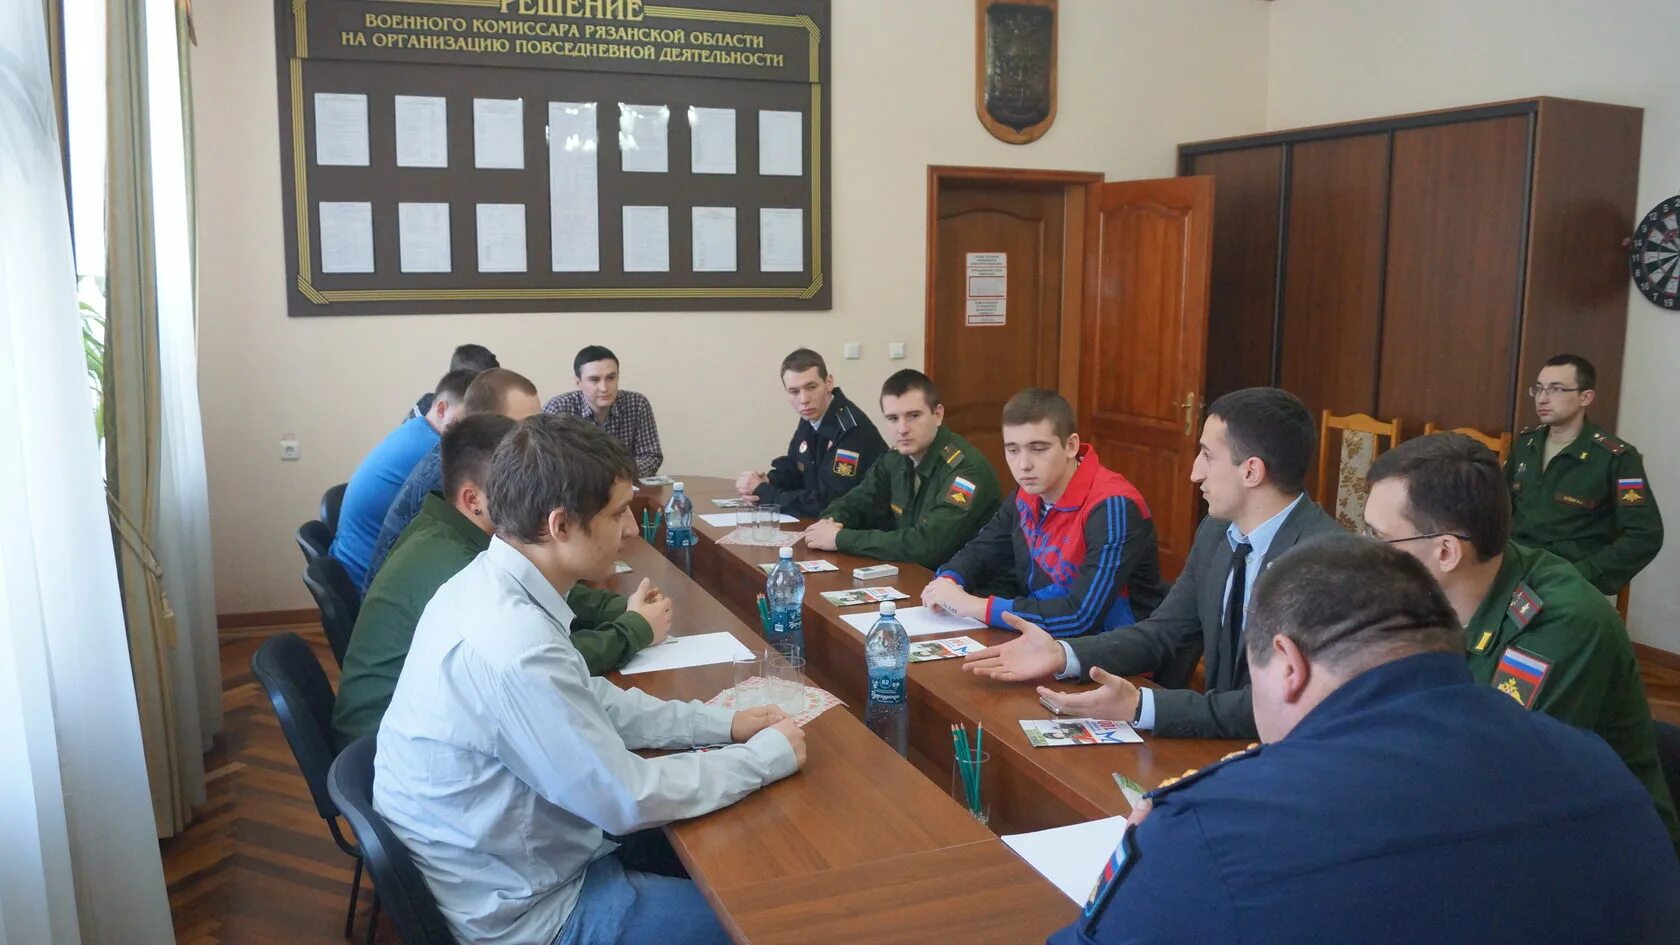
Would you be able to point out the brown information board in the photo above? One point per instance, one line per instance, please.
(554, 155)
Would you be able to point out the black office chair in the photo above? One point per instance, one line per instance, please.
(303, 700)
(340, 602)
(331, 501)
(315, 539)
(397, 883)
(1668, 755)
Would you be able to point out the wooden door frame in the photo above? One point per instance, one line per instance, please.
(1076, 199)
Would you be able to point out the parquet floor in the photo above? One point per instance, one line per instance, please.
(258, 866)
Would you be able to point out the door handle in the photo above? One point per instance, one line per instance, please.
(1190, 411)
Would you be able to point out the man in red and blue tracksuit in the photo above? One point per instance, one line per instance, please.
(1073, 551)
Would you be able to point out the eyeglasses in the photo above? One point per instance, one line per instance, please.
(1535, 390)
(1400, 541)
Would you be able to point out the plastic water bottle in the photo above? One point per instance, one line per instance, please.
(679, 519)
(887, 651)
(785, 593)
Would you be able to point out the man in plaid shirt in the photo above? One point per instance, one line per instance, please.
(625, 414)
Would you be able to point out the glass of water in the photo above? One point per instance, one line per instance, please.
(752, 696)
(787, 682)
(767, 521)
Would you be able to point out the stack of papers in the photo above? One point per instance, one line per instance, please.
(918, 622)
(1072, 857)
(858, 596)
(702, 649)
(732, 519)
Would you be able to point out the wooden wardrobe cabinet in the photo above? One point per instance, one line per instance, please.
(1423, 266)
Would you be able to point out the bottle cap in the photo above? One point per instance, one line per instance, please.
(677, 486)
(786, 553)
(888, 608)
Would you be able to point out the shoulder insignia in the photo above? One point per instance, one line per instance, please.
(1525, 605)
(1195, 774)
(961, 493)
(1630, 491)
(1533, 429)
(951, 454)
(846, 463)
(1520, 675)
(1483, 641)
(1610, 443)
(846, 419)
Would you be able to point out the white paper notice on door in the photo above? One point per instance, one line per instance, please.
(988, 289)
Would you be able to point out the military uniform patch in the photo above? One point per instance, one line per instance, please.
(804, 446)
(1483, 641)
(951, 454)
(1525, 605)
(845, 463)
(962, 492)
(1630, 491)
(1608, 442)
(1576, 501)
(1112, 871)
(1520, 675)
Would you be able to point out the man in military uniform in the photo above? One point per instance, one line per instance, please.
(1534, 628)
(921, 503)
(1577, 491)
(832, 449)
(1394, 800)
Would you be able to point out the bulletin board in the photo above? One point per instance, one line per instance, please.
(554, 155)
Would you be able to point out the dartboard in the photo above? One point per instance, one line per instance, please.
(1654, 255)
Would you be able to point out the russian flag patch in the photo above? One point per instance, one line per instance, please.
(962, 492)
(1520, 675)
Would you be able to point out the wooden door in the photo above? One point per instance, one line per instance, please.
(1144, 343)
(980, 366)
(1243, 302)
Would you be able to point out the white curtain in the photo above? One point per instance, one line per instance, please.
(78, 856)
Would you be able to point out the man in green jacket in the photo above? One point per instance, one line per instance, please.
(920, 504)
(1534, 628)
(444, 538)
(1577, 491)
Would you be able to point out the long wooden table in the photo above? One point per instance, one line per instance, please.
(857, 845)
(1030, 788)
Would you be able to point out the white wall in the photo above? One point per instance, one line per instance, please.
(1137, 78)
(1333, 60)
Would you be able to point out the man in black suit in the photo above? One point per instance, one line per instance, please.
(1255, 450)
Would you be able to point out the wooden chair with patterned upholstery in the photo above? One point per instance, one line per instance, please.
(1501, 444)
(1359, 441)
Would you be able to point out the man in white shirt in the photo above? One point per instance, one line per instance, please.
(503, 765)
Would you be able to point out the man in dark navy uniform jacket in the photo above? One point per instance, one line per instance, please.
(833, 446)
(1395, 800)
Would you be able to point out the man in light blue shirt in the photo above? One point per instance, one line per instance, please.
(1256, 447)
(503, 765)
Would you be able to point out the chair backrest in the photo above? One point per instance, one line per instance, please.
(1500, 444)
(335, 593)
(1341, 485)
(403, 892)
(315, 539)
(303, 700)
(331, 501)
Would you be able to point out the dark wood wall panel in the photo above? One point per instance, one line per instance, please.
(1241, 311)
(1585, 185)
(1457, 208)
(1333, 273)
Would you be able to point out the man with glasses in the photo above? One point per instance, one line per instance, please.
(1578, 491)
(1534, 628)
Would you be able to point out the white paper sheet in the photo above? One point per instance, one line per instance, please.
(711, 140)
(644, 138)
(1070, 857)
(714, 239)
(918, 622)
(499, 133)
(346, 237)
(574, 198)
(781, 240)
(647, 239)
(728, 519)
(423, 236)
(701, 649)
(422, 131)
(781, 144)
(341, 130)
(501, 237)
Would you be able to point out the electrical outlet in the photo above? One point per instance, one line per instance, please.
(853, 351)
(895, 350)
(289, 451)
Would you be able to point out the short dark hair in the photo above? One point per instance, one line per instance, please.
(452, 387)
(1585, 375)
(488, 393)
(590, 354)
(802, 360)
(1454, 485)
(907, 380)
(1038, 403)
(1352, 603)
(466, 449)
(553, 462)
(473, 358)
(1271, 424)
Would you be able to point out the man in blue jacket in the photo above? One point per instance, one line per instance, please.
(1395, 800)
